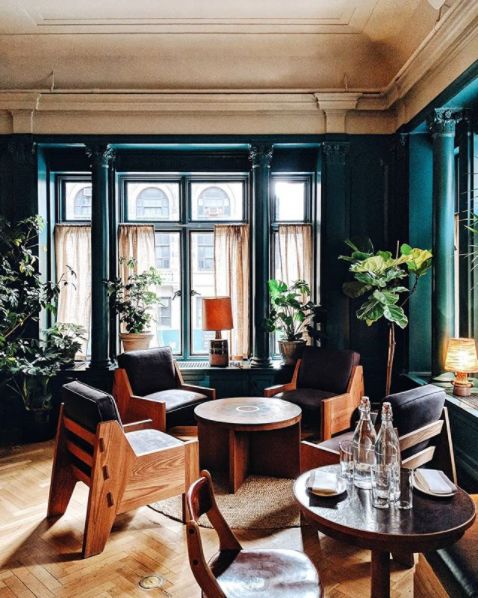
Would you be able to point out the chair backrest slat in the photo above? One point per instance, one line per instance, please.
(418, 436)
(79, 431)
(419, 459)
(79, 453)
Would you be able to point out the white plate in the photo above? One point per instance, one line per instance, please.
(417, 484)
(341, 488)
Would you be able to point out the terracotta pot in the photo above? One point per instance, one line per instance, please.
(291, 351)
(134, 341)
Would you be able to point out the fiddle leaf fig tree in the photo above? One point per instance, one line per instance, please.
(382, 280)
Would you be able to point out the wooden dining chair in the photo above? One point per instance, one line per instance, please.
(423, 427)
(124, 466)
(235, 572)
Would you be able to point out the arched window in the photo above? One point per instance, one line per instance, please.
(152, 203)
(214, 202)
(82, 204)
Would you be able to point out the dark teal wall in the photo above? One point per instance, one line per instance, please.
(361, 195)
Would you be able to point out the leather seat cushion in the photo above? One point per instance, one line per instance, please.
(457, 565)
(147, 441)
(149, 370)
(309, 400)
(277, 573)
(88, 406)
(180, 405)
(326, 369)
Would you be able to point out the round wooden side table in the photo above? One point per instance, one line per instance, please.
(249, 434)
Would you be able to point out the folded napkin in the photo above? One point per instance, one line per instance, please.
(322, 482)
(435, 481)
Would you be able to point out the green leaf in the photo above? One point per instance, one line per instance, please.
(355, 288)
(395, 314)
(370, 311)
(405, 249)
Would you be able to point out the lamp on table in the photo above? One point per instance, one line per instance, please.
(217, 316)
(461, 358)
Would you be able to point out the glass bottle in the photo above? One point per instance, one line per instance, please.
(363, 443)
(387, 450)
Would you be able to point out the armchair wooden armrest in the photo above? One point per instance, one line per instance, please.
(274, 390)
(144, 424)
(204, 390)
(140, 408)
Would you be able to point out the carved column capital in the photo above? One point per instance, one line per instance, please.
(336, 152)
(443, 121)
(260, 154)
(100, 154)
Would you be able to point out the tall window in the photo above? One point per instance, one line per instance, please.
(184, 211)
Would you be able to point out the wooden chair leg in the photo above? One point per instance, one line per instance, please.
(98, 529)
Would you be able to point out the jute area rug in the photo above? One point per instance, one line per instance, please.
(260, 503)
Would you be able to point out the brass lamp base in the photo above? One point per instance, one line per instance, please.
(461, 386)
(219, 353)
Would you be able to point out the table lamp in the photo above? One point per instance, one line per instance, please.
(461, 358)
(217, 316)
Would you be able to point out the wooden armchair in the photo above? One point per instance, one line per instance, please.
(149, 384)
(421, 420)
(124, 466)
(238, 572)
(328, 386)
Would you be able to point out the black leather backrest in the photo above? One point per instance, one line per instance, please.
(88, 406)
(149, 370)
(415, 408)
(326, 369)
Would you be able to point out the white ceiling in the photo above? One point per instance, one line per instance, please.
(213, 44)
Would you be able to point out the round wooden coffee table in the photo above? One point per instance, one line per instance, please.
(245, 435)
(431, 524)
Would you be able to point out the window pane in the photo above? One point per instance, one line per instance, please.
(289, 199)
(168, 315)
(217, 201)
(77, 200)
(153, 201)
(202, 282)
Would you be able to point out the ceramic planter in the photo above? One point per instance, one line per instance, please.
(291, 351)
(135, 341)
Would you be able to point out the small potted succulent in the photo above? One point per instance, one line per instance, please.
(292, 315)
(132, 300)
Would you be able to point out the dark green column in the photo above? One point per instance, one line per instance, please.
(100, 157)
(261, 158)
(336, 228)
(23, 191)
(442, 126)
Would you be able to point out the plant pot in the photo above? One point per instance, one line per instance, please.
(135, 341)
(38, 425)
(291, 351)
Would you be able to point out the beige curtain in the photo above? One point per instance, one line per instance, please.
(295, 252)
(73, 249)
(136, 241)
(231, 256)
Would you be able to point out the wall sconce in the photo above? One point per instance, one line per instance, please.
(461, 358)
(217, 316)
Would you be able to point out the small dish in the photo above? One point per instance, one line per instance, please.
(341, 488)
(418, 485)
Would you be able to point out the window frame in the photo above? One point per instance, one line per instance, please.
(185, 225)
(60, 195)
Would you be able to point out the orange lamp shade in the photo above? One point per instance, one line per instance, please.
(216, 313)
(461, 355)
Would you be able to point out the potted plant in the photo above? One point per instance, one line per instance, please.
(292, 315)
(132, 300)
(66, 339)
(379, 277)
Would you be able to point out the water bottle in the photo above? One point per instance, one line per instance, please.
(387, 450)
(363, 443)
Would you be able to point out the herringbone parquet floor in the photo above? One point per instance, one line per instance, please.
(43, 560)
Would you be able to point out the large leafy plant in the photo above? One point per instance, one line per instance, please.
(383, 280)
(292, 313)
(132, 300)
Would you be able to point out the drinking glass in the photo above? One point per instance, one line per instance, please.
(405, 500)
(346, 460)
(381, 480)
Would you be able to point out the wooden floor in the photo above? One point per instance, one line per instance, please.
(38, 559)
